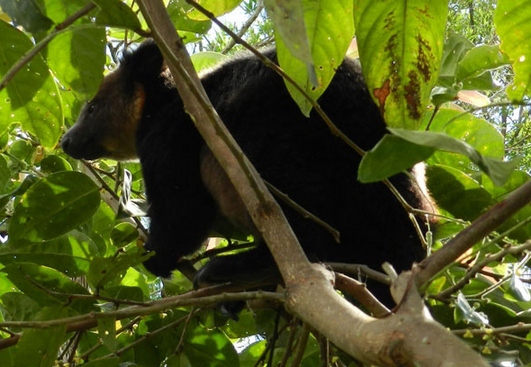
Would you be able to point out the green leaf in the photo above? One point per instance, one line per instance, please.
(477, 132)
(400, 46)
(55, 163)
(107, 333)
(59, 10)
(123, 234)
(48, 287)
(207, 59)
(329, 36)
(178, 11)
(18, 306)
(110, 270)
(216, 7)
(209, 348)
(28, 14)
(31, 97)
(77, 59)
(498, 171)
(513, 25)
(114, 13)
(39, 347)
(289, 19)
(479, 60)
(105, 362)
(458, 193)
(66, 264)
(390, 156)
(53, 206)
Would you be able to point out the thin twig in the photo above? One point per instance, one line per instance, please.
(245, 27)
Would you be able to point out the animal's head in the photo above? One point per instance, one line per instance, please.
(107, 125)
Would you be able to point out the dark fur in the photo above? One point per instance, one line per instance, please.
(298, 155)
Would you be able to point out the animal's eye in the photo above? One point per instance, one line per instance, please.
(91, 108)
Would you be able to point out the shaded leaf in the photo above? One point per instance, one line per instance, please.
(290, 27)
(458, 193)
(114, 13)
(40, 347)
(67, 264)
(54, 206)
(27, 14)
(48, 287)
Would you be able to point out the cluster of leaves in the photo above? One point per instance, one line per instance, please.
(72, 267)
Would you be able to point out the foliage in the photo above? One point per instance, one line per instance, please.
(72, 285)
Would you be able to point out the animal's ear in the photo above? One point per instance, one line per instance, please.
(145, 63)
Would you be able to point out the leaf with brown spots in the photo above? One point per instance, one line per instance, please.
(400, 47)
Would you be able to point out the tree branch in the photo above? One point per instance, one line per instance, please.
(480, 228)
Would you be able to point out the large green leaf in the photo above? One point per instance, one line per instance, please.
(58, 10)
(31, 97)
(53, 206)
(209, 347)
(40, 347)
(114, 13)
(48, 287)
(178, 11)
(479, 60)
(466, 127)
(390, 156)
(499, 171)
(456, 132)
(513, 25)
(216, 7)
(289, 22)
(329, 31)
(27, 14)
(458, 193)
(77, 59)
(400, 45)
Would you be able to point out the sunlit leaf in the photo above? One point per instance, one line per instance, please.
(207, 59)
(400, 46)
(329, 38)
(178, 11)
(77, 59)
(513, 25)
(479, 60)
(31, 98)
(216, 7)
